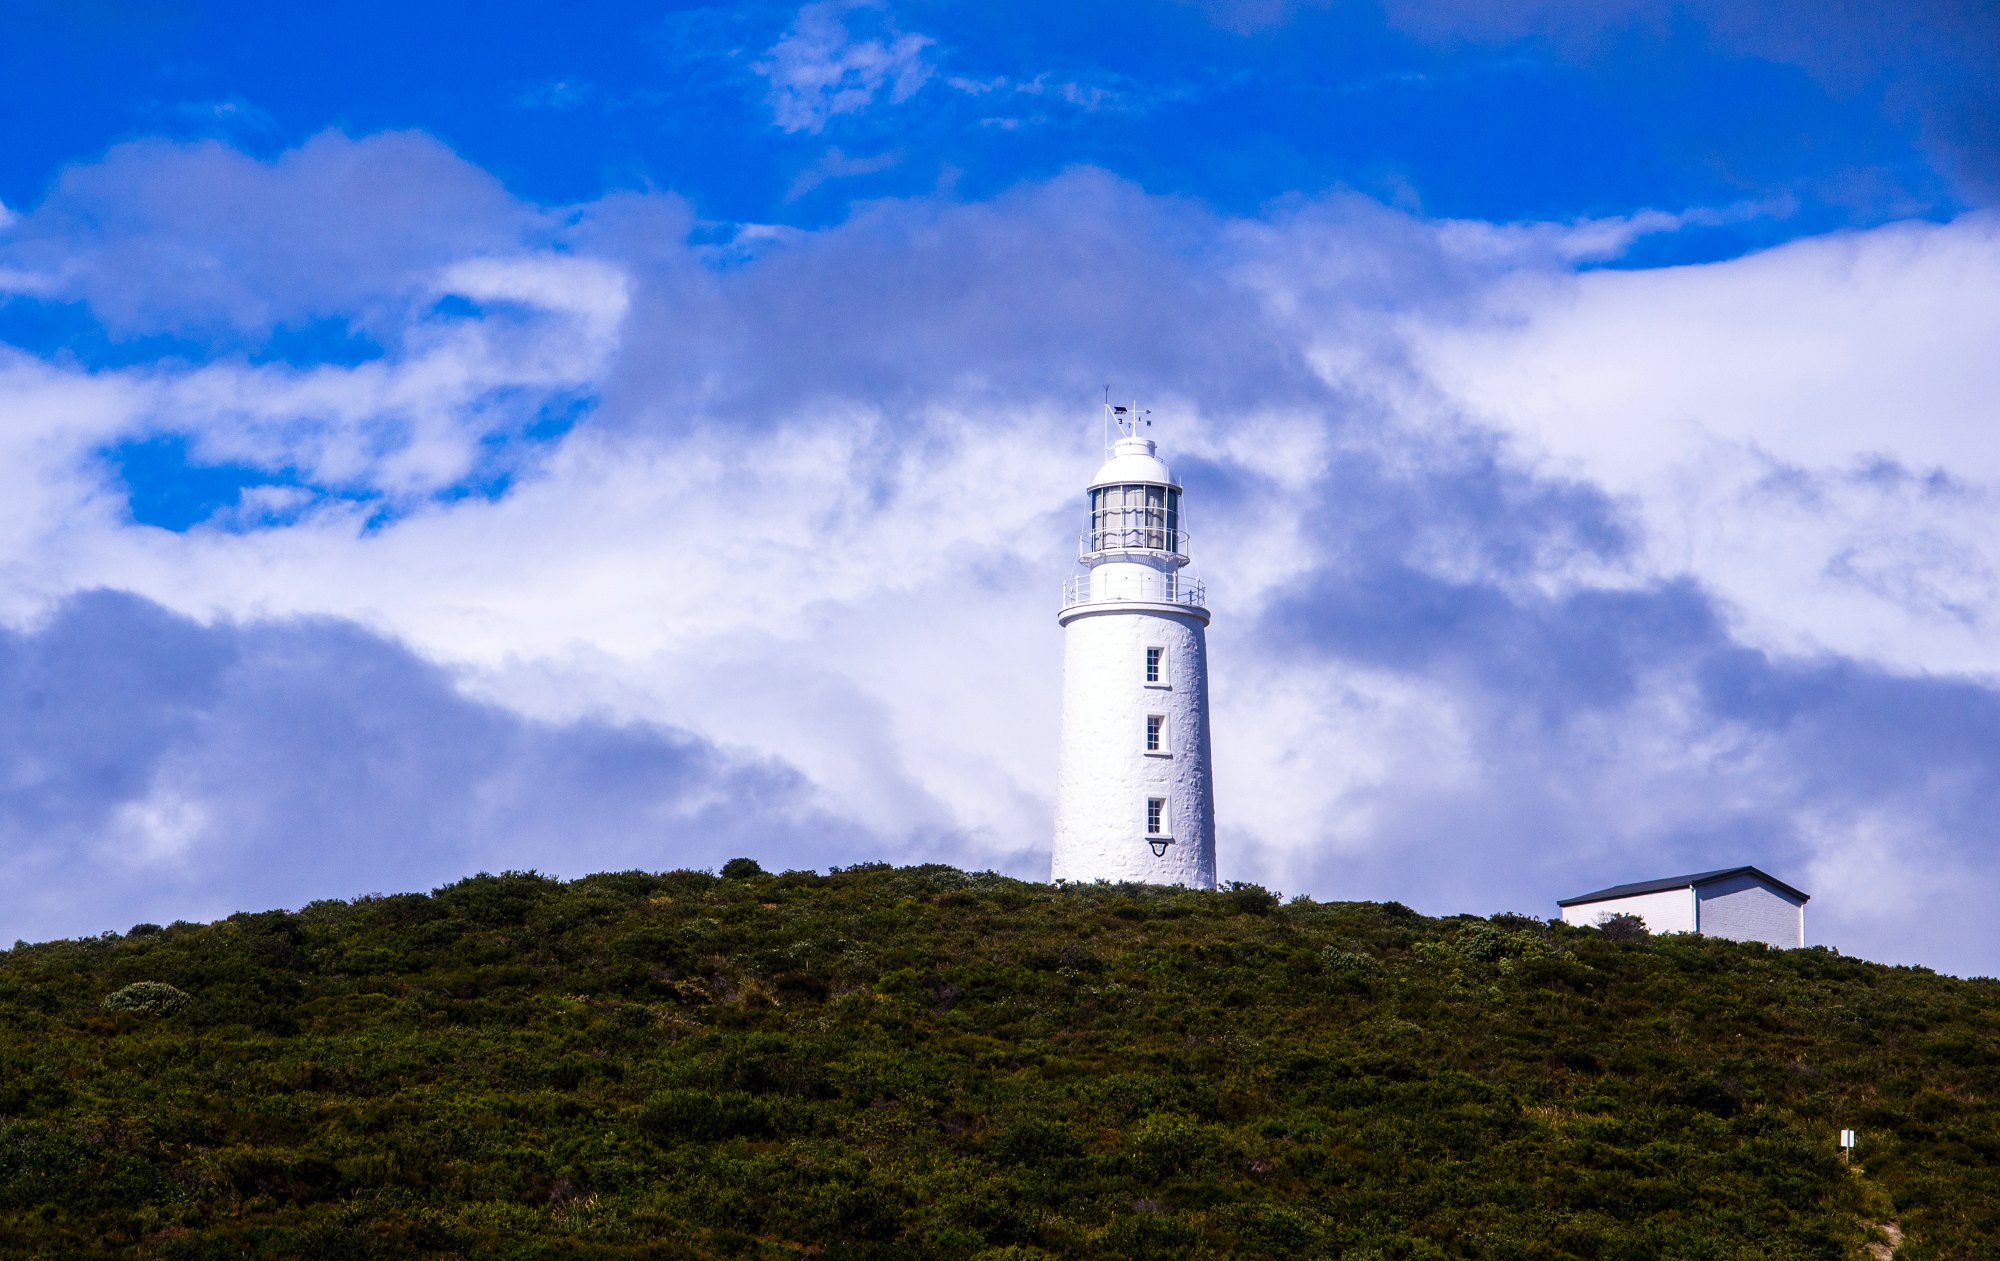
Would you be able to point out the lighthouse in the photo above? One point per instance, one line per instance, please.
(1134, 795)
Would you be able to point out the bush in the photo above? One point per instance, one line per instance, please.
(677, 1116)
(489, 901)
(1035, 1142)
(1251, 899)
(1624, 927)
(741, 869)
(148, 998)
(1167, 1144)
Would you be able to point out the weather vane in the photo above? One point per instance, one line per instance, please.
(1127, 416)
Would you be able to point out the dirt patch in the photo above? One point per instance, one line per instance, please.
(1884, 1249)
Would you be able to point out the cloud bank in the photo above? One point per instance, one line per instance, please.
(157, 768)
(622, 543)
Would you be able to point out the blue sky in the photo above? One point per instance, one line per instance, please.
(442, 437)
(1233, 105)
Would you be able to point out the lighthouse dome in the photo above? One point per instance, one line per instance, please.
(1133, 461)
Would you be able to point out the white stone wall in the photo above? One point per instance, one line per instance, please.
(1106, 775)
(1670, 911)
(1744, 908)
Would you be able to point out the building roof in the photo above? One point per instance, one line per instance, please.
(1696, 880)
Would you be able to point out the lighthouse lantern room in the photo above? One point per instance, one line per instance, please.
(1134, 797)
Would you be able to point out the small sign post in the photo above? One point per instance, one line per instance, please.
(1847, 1145)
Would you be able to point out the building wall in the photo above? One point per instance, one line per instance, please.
(1105, 775)
(1669, 911)
(1744, 908)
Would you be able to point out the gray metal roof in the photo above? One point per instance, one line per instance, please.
(1682, 882)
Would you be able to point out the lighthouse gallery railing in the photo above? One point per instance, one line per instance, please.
(1099, 587)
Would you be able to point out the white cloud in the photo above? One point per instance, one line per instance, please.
(200, 238)
(831, 532)
(195, 770)
(157, 830)
(1047, 94)
(1590, 240)
(1808, 430)
(820, 70)
(401, 427)
(559, 95)
(836, 164)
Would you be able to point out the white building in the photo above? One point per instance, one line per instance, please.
(1134, 798)
(1739, 903)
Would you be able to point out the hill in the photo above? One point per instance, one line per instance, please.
(924, 1063)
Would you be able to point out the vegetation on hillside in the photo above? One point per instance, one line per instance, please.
(924, 1063)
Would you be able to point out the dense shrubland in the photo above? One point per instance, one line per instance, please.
(924, 1063)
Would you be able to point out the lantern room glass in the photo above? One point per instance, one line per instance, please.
(1135, 516)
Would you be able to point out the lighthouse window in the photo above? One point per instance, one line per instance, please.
(1156, 665)
(1156, 733)
(1137, 516)
(1156, 816)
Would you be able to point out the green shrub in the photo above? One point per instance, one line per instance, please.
(488, 901)
(147, 998)
(679, 1116)
(1166, 1145)
(1251, 899)
(1036, 1142)
(1623, 926)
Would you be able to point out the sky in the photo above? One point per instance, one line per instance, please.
(441, 438)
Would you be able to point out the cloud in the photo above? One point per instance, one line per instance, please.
(200, 238)
(155, 768)
(558, 95)
(1050, 95)
(1249, 17)
(479, 329)
(1517, 744)
(838, 165)
(223, 118)
(822, 493)
(1807, 429)
(821, 69)
(457, 400)
(1035, 295)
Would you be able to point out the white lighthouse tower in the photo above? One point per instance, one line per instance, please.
(1134, 797)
